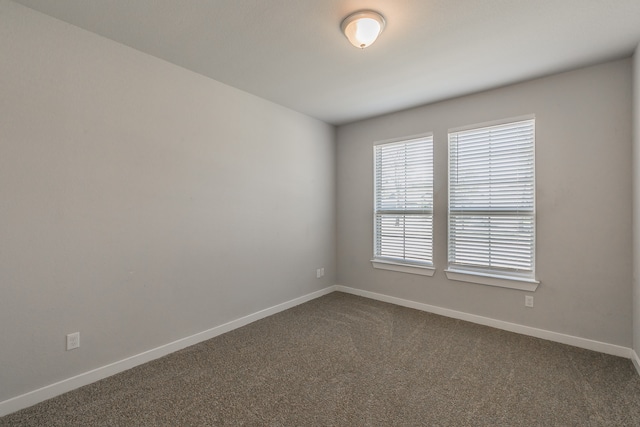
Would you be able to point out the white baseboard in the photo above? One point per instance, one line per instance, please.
(52, 390)
(635, 360)
(585, 343)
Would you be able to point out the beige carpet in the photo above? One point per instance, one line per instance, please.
(343, 360)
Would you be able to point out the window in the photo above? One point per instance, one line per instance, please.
(492, 204)
(403, 206)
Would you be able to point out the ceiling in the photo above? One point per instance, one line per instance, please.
(293, 53)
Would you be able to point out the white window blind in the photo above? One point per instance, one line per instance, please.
(492, 199)
(404, 201)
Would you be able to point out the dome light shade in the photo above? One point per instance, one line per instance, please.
(363, 28)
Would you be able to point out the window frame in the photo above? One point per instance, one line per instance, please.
(486, 275)
(398, 264)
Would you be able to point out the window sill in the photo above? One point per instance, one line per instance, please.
(500, 281)
(403, 268)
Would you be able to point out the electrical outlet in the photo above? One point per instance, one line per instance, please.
(322, 272)
(73, 340)
(319, 273)
(528, 301)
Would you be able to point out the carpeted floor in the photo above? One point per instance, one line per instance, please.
(342, 360)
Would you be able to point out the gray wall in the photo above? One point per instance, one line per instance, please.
(636, 201)
(141, 203)
(583, 155)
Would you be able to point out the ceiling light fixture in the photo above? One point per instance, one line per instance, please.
(362, 28)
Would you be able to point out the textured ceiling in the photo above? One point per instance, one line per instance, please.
(293, 53)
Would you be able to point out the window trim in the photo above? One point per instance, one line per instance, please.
(421, 269)
(385, 263)
(486, 276)
(510, 282)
